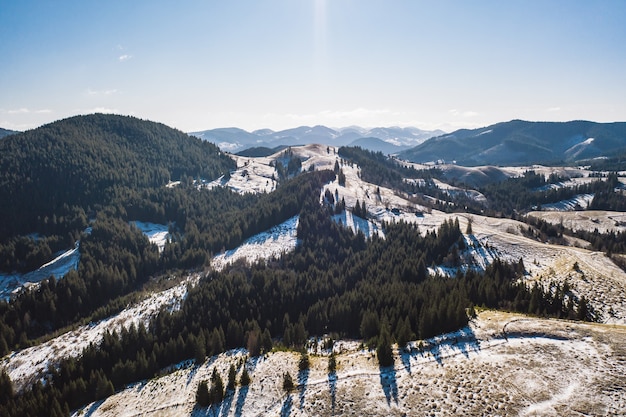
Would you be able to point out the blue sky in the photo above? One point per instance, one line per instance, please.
(254, 64)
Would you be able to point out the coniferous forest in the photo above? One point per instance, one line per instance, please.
(103, 171)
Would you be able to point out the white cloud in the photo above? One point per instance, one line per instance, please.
(101, 92)
(458, 113)
(125, 57)
(43, 111)
(103, 110)
(339, 118)
(22, 110)
(553, 109)
(95, 110)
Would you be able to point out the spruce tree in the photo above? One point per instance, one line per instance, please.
(304, 363)
(287, 382)
(244, 380)
(384, 352)
(203, 398)
(332, 363)
(216, 393)
(232, 375)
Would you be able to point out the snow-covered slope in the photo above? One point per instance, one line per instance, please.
(579, 202)
(502, 364)
(28, 365)
(156, 233)
(273, 243)
(58, 267)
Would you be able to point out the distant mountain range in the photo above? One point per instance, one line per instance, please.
(6, 132)
(388, 140)
(520, 142)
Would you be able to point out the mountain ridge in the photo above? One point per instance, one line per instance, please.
(522, 142)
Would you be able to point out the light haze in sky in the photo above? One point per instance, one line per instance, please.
(278, 64)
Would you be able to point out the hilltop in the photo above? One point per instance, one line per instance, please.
(83, 161)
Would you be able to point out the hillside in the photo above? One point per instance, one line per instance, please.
(501, 364)
(84, 161)
(520, 142)
(314, 241)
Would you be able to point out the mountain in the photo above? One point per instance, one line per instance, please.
(521, 142)
(397, 138)
(400, 136)
(6, 132)
(84, 161)
(260, 151)
(377, 145)
(230, 139)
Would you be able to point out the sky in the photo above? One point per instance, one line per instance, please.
(278, 64)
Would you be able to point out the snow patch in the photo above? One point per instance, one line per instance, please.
(58, 267)
(356, 224)
(156, 233)
(273, 243)
(26, 366)
(578, 202)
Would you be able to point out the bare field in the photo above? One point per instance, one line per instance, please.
(589, 220)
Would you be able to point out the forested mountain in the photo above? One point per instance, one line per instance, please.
(82, 162)
(520, 142)
(6, 132)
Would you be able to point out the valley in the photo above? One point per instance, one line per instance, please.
(287, 209)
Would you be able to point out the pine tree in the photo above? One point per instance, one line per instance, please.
(244, 380)
(216, 393)
(384, 352)
(232, 375)
(332, 363)
(6, 387)
(266, 341)
(304, 363)
(341, 178)
(203, 399)
(404, 333)
(199, 350)
(583, 309)
(287, 382)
